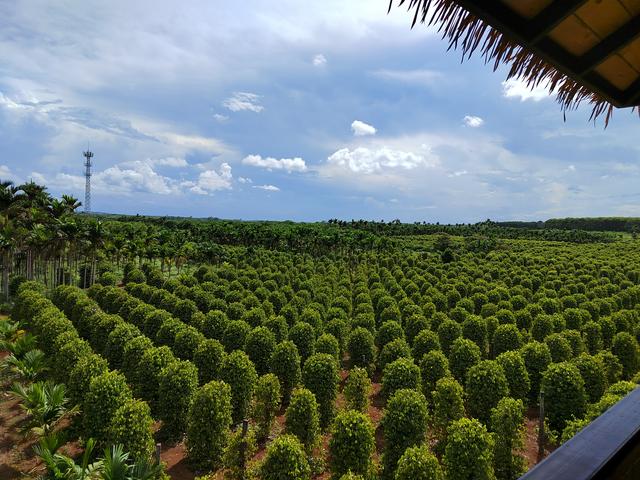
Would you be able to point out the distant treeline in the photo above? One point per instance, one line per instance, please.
(596, 224)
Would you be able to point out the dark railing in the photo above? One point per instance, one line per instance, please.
(607, 448)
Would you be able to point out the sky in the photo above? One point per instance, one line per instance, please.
(291, 110)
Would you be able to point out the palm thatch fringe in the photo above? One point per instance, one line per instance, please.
(469, 33)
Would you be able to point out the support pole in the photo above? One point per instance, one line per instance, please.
(158, 448)
(541, 433)
(243, 447)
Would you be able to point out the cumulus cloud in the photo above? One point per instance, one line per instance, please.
(296, 164)
(175, 162)
(473, 121)
(220, 118)
(319, 60)
(361, 129)
(269, 188)
(419, 77)
(243, 101)
(7, 174)
(244, 180)
(516, 88)
(372, 160)
(210, 181)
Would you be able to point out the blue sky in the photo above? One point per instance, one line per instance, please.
(291, 110)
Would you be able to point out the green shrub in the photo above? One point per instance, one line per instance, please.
(266, 403)
(575, 341)
(208, 359)
(592, 335)
(392, 351)
(361, 348)
(260, 345)
(469, 451)
(542, 327)
(304, 336)
(506, 338)
(321, 376)
(235, 335)
(108, 278)
(168, 332)
(388, 331)
(186, 343)
(153, 320)
(339, 329)
(464, 355)
(433, 367)
(418, 463)
(327, 343)
(240, 374)
(285, 460)
(107, 393)
(516, 373)
(448, 405)
(448, 331)
(352, 444)
(404, 425)
(80, 376)
(559, 347)
(178, 383)
(152, 362)
(507, 422)
(536, 358)
(611, 366)
(279, 328)
(131, 427)
(425, 342)
(401, 374)
(591, 371)
(240, 449)
(132, 355)
(486, 385)
(285, 364)
(564, 394)
(69, 355)
(302, 418)
(474, 328)
(116, 341)
(208, 423)
(414, 325)
(214, 324)
(357, 389)
(625, 347)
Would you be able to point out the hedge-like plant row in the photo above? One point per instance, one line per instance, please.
(110, 413)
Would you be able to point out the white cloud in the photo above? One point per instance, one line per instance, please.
(220, 118)
(420, 77)
(6, 174)
(296, 164)
(319, 60)
(269, 188)
(458, 173)
(517, 88)
(473, 121)
(244, 180)
(243, 101)
(210, 180)
(175, 162)
(361, 129)
(368, 160)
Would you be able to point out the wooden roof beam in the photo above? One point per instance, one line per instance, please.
(550, 18)
(610, 45)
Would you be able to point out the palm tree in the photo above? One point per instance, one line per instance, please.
(28, 367)
(45, 403)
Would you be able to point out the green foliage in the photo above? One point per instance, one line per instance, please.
(401, 374)
(361, 348)
(564, 394)
(469, 451)
(506, 338)
(321, 376)
(267, 399)
(285, 364)
(611, 365)
(178, 383)
(357, 389)
(132, 355)
(486, 384)
(433, 366)
(448, 332)
(352, 444)
(327, 343)
(592, 334)
(237, 454)
(261, 343)
(536, 358)
(304, 336)
(464, 355)
(591, 371)
(208, 359)
(235, 335)
(302, 418)
(559, 347)
(131, 427)
(625, 347)
(215, 323)
(388, 331)
(392, 351)
(516, 373)
(507, 422)
(152, 363)
(240, 374)
(418, 463)
(107, 393)
(285, 460)
(80, 376)
(425, 342)
(448, 405)
(404, 425)
(208, 423)
(187, 342)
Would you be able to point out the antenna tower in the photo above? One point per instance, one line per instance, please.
(88, 155)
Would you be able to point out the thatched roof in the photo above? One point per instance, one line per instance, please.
(585, 50)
